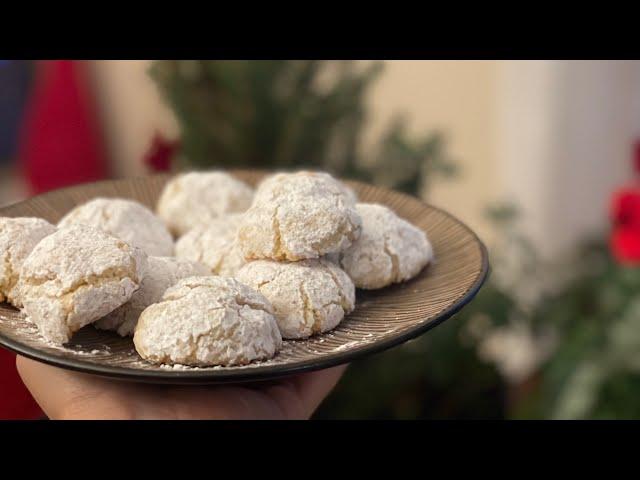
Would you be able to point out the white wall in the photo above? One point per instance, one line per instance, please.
(564, 135)
(457, 98)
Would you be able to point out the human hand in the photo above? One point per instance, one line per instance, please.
(67, 395)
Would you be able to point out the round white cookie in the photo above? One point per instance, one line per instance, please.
(390, 249)
(195, 198)
(75, 276)
(309, 297)
(298, 216)
(214, 244)
(128, 220)
(203, 321)
(162, 273)
(18, 237)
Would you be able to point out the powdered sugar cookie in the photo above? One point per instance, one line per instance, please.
(205, 321)
(162, 273)
(75, 276)
(18, 236)
(195, 198)
(390, 249)
(128, 220)
(298, 216)
(214, 245)
(309, 297)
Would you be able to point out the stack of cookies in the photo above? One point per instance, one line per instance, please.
(248, 268)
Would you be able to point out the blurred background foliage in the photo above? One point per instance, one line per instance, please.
(541, 340)
(291, 114)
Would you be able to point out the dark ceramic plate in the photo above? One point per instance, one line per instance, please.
(382, 318)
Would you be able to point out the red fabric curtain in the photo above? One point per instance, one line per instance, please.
(61, 142)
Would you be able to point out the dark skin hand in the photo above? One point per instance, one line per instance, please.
(63, 394)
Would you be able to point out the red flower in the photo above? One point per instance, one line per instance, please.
(625, 246)
(160, 154)
(625, 236)
(625, 216)
(625, 207)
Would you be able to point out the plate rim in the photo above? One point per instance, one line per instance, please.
(246, 374)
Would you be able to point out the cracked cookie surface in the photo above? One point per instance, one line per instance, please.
(308, 297)
(195, 198)
(204, 321)
(275, 184)
(18, 237)
(214, 245)
(75, 276)
(298, 216)
(128, 220)
(162, 273)
(389, 250)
